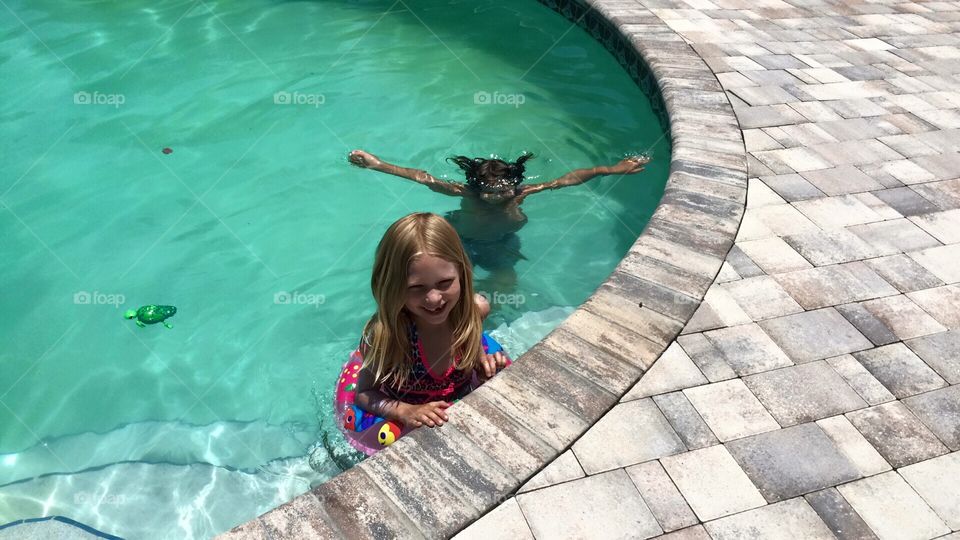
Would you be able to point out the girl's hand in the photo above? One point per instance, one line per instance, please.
(630, 165)
(490, 364)
(431, 414)
(364, 160)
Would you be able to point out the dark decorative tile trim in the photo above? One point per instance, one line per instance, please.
(37, 527)
(605, 31)
(433, 483)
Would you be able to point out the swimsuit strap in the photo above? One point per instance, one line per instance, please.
(416, 351)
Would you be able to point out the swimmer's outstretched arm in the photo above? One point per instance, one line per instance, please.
(366, 160)
(630, 165)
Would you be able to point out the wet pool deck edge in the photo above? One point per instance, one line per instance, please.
(433, 483)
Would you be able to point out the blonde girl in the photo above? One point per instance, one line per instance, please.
(425, 346)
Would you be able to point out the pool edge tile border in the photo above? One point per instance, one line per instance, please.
(664, 275)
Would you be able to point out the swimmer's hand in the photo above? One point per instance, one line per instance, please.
(364, 160)
(483, 306)
(431, 414)
(490, 364)
(630, 165)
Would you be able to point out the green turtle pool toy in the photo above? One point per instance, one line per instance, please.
(151, 315)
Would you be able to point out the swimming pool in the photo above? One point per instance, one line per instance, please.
(254, 226)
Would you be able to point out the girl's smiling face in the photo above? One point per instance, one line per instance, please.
(433, 289)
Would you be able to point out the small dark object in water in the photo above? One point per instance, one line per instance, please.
(167, 150)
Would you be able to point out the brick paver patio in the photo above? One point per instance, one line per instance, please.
(813, 393)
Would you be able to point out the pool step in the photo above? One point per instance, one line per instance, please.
(149, 500)
(237, 445)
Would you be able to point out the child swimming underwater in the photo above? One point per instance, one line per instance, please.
(490, 214)
(495, 181)
(425, 345)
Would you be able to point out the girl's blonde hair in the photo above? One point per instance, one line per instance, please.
(386, 334)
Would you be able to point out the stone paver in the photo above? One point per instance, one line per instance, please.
(944, 226)
(793, 461)
(602, 506)
(906, 201)
(686, 421)
(563, 469)
(747, 349)
(815, 335)
(804, 393)
(871, 326)
(834, 285)
(897, 434)
(892, 509)
(940, 411)
(854, 446)
(630, 433)
(774, 256)
(730, 409)
(792, 187)
(837, 212)
(940, 351)
(894, 236)
(942, 303)
(900, 371)
(673, 371)
(694, 533)
(932, 480)
(904, 273)
(762, 297)
(712, 483)
(788, 519)
(861, 380)
(836, 513)
(904, 318)
(841, 180)
(717, 310)
(832, 246)
(707, 357)
(941, 262)
(662, 496)
(505, 522)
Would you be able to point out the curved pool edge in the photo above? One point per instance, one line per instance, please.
(433, 483)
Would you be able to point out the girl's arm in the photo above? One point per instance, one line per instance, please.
(630, 165)
(374, 401)
(366, 160)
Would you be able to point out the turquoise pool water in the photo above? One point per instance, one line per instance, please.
(256, 227)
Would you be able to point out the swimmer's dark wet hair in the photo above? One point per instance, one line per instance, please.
(492, 172)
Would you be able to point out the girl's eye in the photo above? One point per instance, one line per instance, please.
(446, 283)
